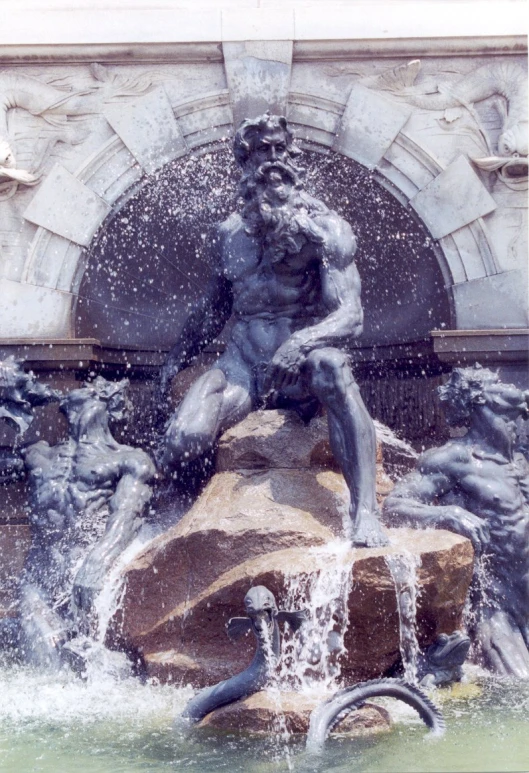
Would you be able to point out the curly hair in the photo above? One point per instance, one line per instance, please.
(251, 128)
(464, 388)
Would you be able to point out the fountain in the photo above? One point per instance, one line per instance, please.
(287, 506)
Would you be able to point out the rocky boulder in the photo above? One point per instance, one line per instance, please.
(273, 711)
(272, 515)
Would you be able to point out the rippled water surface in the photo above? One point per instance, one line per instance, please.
(56, 724)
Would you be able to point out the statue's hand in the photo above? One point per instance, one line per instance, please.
(467, 524)
(285, 366)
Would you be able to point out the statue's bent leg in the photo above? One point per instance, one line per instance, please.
(352, 437)
(211, 405)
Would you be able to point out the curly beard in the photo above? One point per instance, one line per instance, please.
(278, 211)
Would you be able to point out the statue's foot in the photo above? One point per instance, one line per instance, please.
(367, 531)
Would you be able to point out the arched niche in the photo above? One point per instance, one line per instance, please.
(148, 264)
(113, 175)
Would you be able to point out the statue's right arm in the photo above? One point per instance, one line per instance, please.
(415, 500)
(205, 322)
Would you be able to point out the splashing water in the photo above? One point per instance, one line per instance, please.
(108, 691)
(403, 568)
(478, 598)
(100, 662)
(310, 662)
(111, 595)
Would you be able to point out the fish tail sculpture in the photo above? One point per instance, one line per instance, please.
(263, 620)
(328, 714)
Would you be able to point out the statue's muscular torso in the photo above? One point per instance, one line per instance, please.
(271, 300)
(497, 490)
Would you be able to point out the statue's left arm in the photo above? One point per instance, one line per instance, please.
(340, 294)
(126, 505)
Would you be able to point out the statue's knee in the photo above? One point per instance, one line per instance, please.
(327, 359)
(186, 442)
(214, 381)
(329, 370)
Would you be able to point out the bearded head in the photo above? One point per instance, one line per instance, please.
(276, 208)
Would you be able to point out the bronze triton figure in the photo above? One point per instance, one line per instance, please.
(478, 486)
(284, 269)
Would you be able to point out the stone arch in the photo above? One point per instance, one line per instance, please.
(123, 164)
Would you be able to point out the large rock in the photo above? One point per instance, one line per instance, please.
(189, 643)
(276, 487)
(272, 515)
(273, 711)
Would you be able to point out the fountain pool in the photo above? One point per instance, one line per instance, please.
(51, 724)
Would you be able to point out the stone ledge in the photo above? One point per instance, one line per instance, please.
(79, 354)
(469, 346)
(84, 353)
(304, 50)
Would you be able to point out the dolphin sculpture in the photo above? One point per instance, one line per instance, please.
(329, 713)
(263, 619)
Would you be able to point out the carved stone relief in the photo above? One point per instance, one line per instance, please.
(96, 107)
(504, 82)
(64, 108)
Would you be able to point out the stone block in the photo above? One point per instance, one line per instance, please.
(65, 206)
(111, 171)
(389, 20)
(52, 260)
(28, 311)
(104, 24)
(369, 125)
(258, 76)
(454, 199)
(498, 301)
(148, 128)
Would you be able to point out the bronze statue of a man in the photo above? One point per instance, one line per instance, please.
(284, 269)
(88, 495)
(478, 486)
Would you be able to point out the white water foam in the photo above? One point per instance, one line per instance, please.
(61, 698)
(403, 568)
(100, 662)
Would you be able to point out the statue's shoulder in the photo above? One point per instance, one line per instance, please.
(137, 463)
(442, 460)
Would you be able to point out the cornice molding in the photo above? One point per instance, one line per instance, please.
(304, 50)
